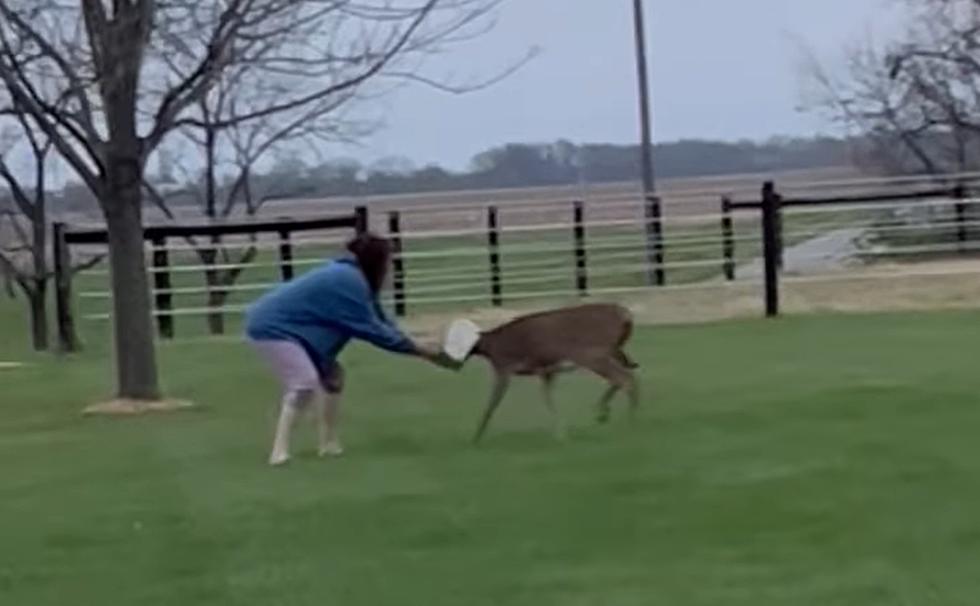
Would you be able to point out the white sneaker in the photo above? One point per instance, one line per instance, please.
(278, 459)
(331, 449)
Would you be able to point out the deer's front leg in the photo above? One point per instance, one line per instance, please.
(501, 382)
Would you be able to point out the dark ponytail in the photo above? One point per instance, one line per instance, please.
(373, 255)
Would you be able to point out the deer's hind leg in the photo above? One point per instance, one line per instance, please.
(501, 382)
(619, 376)
(548, 384)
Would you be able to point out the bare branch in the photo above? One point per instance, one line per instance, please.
(158, 199)
(86, 264)
(11, 269)
(20, 197)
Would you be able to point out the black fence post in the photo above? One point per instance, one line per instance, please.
(493, 249)
(777, 199)
(67, 341)
(770, 244)
(962, 233)
(285, 255)
(362, 223)
(655, 240)
(398, 262)
(163, 295)
(581, 260)
(727, 239)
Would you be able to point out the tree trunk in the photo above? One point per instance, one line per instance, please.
(212, 278)
(64, 316)
(136, 369)
(216, 317)
(216, 294)
(39, 247)
(68, 341)
(8, 281)
(38, 302)
(220, 283)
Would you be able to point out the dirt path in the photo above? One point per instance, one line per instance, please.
(832, 251)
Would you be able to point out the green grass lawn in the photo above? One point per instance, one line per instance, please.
(828, 460)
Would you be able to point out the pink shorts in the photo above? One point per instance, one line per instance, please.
(295, 369)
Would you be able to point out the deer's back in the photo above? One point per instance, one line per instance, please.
(547, 339)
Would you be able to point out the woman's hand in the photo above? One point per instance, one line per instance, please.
(434, 354)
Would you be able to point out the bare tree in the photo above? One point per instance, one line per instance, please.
(7, 235)
(230, 154)
(23, 249)
(24, 252)
(131, 72)
(915, 101)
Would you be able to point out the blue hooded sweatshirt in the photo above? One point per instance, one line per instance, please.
(324, 309)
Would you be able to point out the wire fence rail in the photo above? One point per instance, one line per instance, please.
(625, 248)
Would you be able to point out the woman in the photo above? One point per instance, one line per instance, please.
(300, 327)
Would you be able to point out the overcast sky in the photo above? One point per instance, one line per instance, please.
(720, 69)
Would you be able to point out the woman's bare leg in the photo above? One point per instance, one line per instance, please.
(329, 434)
(333, 385)
(293, 403)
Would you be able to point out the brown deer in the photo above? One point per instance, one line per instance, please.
(547, 343)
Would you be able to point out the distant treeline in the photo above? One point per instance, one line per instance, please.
(559, 163)
(522, 165)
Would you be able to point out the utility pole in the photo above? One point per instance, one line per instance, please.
(652, 211)
(642, 77)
